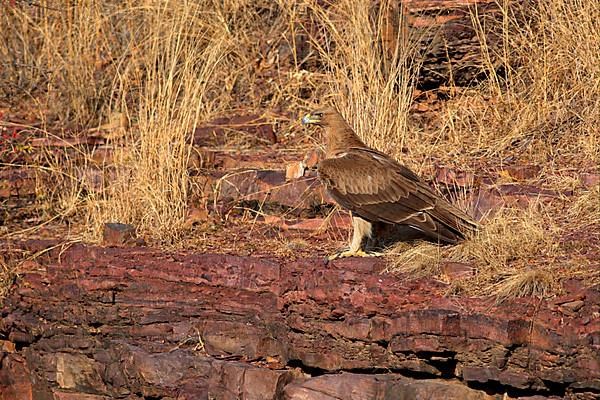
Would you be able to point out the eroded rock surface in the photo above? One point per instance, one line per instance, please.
(139, 323)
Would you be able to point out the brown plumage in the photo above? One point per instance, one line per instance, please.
(376, 188)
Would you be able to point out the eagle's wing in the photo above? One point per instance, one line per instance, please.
(377, 188)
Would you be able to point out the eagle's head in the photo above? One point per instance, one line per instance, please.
(323, 117)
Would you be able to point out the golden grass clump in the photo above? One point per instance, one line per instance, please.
(179, 57)
(511, 255)
(510, 235)
(543, 105)
(371, 64)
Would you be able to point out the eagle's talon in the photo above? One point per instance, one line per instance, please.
(351, 253)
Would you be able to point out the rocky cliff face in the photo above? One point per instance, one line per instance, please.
(92, 323)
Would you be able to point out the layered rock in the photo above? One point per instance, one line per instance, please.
(136, 322)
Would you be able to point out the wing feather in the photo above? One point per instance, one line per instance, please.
(377, 188)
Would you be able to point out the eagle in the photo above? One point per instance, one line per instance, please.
(375, 188)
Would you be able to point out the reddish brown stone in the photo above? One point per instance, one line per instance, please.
(117, 234)
(270, 186)
(217, 130)
(138, 320)
(15, 379)
(312, 158)
(294, 170)
(341, 221)
(454, 271)
(195, 215)
(382, 387)
(60, 395)
(451, 177)
(7, 346)
(17, 182)
(523, 172)
(590, 180)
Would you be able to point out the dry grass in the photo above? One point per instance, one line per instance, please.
(180, 56)
(155, 70)
(517, 252)
(544, 107)
(371, 65)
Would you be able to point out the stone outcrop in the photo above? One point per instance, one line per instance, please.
(86, 322)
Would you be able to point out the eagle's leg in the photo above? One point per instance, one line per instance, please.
(361, 229)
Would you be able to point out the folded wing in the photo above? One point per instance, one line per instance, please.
(377, 188)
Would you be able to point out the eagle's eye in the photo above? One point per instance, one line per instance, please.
(318, 114)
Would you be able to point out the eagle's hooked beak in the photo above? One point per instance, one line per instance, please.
(311, 119)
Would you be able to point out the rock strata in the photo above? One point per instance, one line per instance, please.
(140, 323)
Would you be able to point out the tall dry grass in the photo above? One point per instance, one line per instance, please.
(371, 63)
(153, 70)
(540, 101)
(150, 64)
(176, 63)
(540, 106)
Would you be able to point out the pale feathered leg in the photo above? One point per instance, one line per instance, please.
(361, 229)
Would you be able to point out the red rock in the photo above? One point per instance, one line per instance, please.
(451, 177)
(138, 320)
(316, 224)
(117, 234)
(270, 186)
(377, 386)
(454, 271)
(294, 170)
(215, 131)
(573, 306)
(77, 372)
(17, 182)
(60, 395)
(523, 172)
(590, 180)
(195, 215)
(7, 346)
(312, 158)
(15, 379)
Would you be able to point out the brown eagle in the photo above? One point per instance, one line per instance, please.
(377, 189)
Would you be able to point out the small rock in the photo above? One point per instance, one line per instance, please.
(7, 346)
(117, 234)
(454, 271)
(523, 172)
(451, 177)
(194, 216)
(590, 180)
(573, 306)
(311, 160)
(294, 170)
